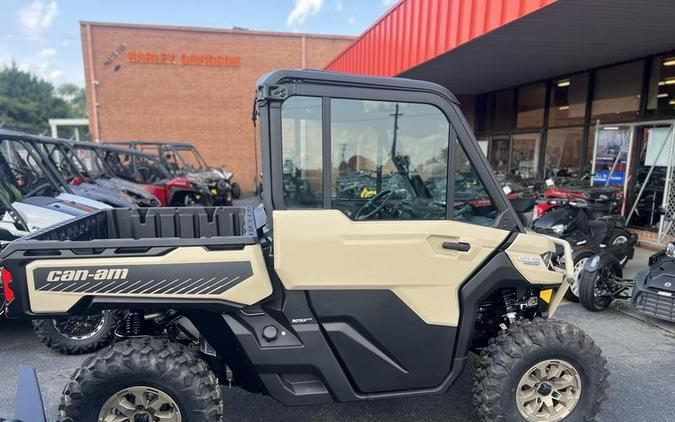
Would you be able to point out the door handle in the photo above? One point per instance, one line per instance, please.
(456, 246)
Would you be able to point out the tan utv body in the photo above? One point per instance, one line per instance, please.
(384, 254)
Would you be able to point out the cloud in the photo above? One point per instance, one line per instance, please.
(66, 42)
(48, 52)
(351, 20)
(301, 11)
(55, 75)
(388, 2)
(37, 17)
(339, 6)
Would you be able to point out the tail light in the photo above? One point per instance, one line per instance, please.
(6, 279)
(539, 210)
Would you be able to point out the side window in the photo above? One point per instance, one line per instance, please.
(389, 160)
(301, 152)
(472, 203)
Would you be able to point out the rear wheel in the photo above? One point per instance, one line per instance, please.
(544, 370)
(77, 335)
(236, 190)
(619, 237)
(142, 380)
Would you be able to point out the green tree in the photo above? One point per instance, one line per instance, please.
(75, 97)
(28, 102)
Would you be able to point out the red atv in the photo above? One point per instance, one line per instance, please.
(602, 200)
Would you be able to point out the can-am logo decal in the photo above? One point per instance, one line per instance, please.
(207, 278)
(101, 274)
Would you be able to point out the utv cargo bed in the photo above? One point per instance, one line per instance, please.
(157, 256)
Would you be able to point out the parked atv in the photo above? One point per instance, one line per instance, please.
(146, 170)
(571, 220)
(654, 290)
(183, 159)
(64, 157)
(92, 166)
(602, 200)
(354, 300)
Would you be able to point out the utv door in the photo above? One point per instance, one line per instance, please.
(384, 206)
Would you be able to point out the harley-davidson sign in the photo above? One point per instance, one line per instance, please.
(184, 59)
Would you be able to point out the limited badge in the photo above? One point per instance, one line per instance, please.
(529, 260)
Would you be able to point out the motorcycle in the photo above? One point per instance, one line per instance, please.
(587, 234)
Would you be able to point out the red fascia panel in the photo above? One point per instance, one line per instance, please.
(414, 31)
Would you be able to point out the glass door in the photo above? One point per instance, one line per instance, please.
(647, 191)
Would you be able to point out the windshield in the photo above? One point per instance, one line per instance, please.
(183, 158)
(90, 162)
(61, 158)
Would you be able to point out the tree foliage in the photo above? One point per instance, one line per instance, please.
(28, 102)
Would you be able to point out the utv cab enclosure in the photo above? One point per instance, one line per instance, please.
(368, 275)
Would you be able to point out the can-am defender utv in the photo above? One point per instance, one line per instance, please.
(324, 297)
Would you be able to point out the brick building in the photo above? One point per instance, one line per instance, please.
(189, 84)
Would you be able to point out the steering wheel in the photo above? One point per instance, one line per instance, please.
(42, 187)
(375, 204)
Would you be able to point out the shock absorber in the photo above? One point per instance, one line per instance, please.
(133, 324)
(510, 304)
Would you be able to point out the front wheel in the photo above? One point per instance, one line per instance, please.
(143, 380)
(595, 289)
(543, 370)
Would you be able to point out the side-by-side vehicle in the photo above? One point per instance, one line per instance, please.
(326, 293)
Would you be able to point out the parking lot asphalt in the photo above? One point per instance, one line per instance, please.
(641, 359)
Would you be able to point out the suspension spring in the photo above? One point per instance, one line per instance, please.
(133, 323)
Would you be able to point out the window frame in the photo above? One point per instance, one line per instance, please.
(458, 133)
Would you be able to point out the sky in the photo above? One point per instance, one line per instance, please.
(43, 36)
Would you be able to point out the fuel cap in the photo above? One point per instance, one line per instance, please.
(270, 333)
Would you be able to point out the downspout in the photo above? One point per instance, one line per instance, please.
(95, 130)
(304, 52)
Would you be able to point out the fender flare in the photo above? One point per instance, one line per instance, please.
(604, 260)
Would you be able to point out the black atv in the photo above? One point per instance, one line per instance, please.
(654, 289)
(571, 220)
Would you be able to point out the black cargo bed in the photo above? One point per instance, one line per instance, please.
(142, 228)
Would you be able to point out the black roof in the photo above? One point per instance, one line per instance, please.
(333, 78)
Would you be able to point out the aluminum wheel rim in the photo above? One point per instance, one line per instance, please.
(140, 404)
(577, 271)
(84, 328)
(549, 391)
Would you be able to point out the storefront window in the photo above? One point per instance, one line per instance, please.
(617, 93)
(515, 157)
(504, 110)
(568, 100)
(531, 100)
(661, 99)
(563, 152)
(483, 109)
